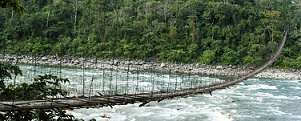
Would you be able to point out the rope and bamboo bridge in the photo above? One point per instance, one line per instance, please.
(125, 98)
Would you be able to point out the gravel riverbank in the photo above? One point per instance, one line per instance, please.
(145, 65)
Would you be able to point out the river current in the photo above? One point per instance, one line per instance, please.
(254, 100)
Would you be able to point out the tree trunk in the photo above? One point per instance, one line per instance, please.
(104, 37)
(75, 14)
(47, 19)
(165, 11)
(98, 21)
(212, 32)
(12, 13)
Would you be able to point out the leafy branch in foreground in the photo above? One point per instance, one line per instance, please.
(41, 88)
(47, 85)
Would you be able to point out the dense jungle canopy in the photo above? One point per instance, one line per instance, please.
(206, 31)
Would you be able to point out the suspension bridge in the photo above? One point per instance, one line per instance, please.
(174, 90)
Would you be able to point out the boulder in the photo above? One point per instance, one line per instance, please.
(230, 100)
(219, 67)
(202, 65)
(146, 66)
(223, 112)
(10, 58)
(140, 62)
(234, 67)
(76, 62)
(163, 65)
(128, 62)
(19, 57)
(44, 59)
(116, 62)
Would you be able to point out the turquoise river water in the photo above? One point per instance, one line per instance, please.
(254, 99)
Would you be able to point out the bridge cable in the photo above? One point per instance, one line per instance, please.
(168, 83)
(111, 79)
(152, 79)
(15, 84)
(176, 77)
(91, 88)
(143, 78)
(103, 77)
(127, 80)
(83, 81)
(116, 77)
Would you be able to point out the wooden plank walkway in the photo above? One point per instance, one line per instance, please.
(100, 101)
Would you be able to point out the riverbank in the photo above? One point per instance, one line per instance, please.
(147, 65)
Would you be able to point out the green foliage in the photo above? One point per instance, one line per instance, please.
(41, 88)
(14, 4)
(6, 69)
(297, 63)
(249, 60)
(229, 57)
(207, 57)
(58, 115)
(236, 31)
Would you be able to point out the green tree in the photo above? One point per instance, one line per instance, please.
(208, 57)
(14, 4)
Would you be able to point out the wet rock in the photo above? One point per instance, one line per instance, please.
(223, 112)
(230, 100)
(102, 115)
(234, 118)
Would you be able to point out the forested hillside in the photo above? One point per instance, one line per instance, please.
(206, 31)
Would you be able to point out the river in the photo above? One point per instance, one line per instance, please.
(254, 100)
